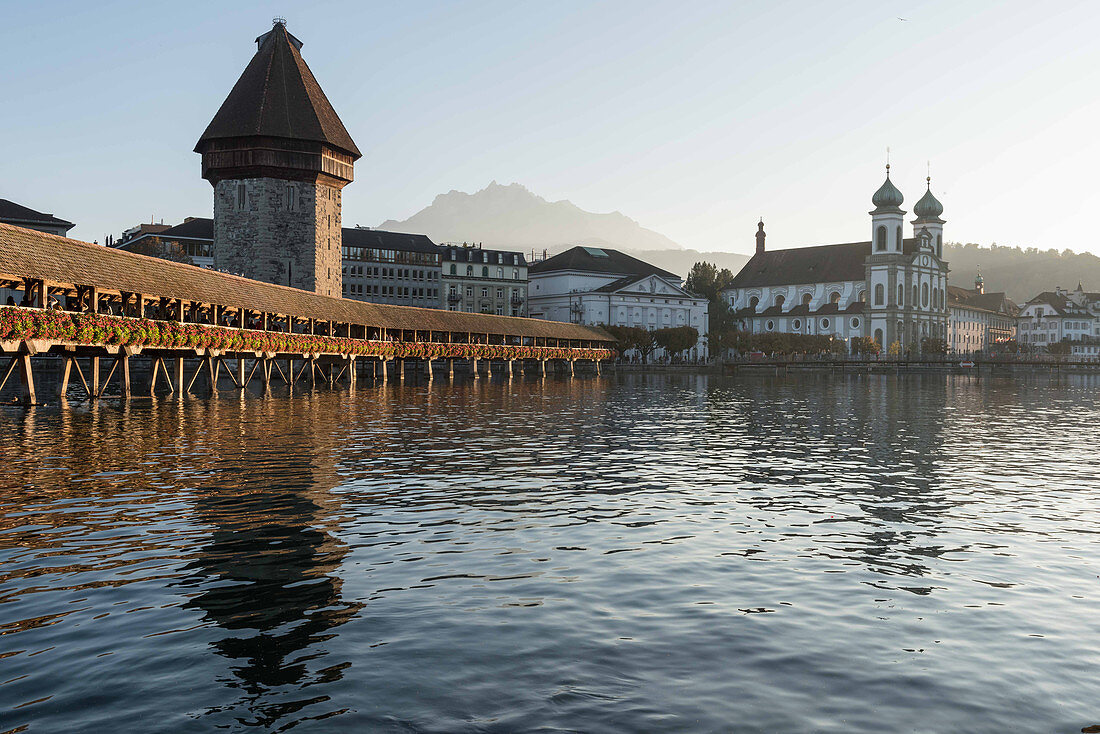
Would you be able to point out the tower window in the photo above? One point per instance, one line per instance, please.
(899, 239)
(880, 238)
(880, 294)
(242, 197)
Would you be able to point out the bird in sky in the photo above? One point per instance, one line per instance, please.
(904, 19)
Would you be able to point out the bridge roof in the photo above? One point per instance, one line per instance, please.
(26, 253)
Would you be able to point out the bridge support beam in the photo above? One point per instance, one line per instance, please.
(451, 370)
(95, 379)
(26, 376)
(428, 369)
(240, 371)
(178, 384)
(508, 369)
(63, 381)
(571, 374)
(473, 368)
(125, 360)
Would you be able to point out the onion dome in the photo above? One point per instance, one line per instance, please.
(887, 196)
(928, 207)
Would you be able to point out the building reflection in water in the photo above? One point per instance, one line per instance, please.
(269, 574)
(864, 449)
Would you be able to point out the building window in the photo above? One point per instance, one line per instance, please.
(754, 302)
(824, 323)
(500, 273)
(500, 293)
(779, 301)
(898, 245)
(880, 294)
(924, 295)
(797, 324)
(469, 270)
(484, 272)
(242, 197)
(807, 298)
(880, 238)
(515, 274)
(292, 198)
(469, 292)
(855, 323)
(484, 292)
(834, 297)
(454, 269)
(770, 325)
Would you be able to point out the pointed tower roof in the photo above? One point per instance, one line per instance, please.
(277, 96)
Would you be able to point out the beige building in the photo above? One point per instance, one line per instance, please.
(979, 322)
(476, 280)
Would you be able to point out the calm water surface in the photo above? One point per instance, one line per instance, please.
(636, 553)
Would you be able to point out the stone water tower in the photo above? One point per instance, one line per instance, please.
(278, 157)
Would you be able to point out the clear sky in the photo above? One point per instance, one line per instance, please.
(692, 117)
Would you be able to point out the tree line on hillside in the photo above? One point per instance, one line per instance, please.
(1021, 272)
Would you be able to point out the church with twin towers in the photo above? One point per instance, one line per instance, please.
(890, 288)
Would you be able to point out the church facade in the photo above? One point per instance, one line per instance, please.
(890, 288)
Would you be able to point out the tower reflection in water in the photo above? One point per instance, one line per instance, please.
(268, 577)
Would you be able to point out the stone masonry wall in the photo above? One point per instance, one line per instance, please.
(293, 241)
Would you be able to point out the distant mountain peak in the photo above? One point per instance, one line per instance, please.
(512, 216)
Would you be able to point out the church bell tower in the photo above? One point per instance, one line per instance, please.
(278, 157)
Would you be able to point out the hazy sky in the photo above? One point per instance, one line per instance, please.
(692, 117)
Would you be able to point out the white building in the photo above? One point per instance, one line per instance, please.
(890, 288)
(589, 285)
(979, 321)
(1060, 315)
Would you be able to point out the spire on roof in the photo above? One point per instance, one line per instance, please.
(277, 96)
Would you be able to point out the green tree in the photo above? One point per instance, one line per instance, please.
(933, 345)
(1059, 349)
(708, 281)
(676, 339)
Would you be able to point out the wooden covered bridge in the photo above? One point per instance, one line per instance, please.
(98, 308)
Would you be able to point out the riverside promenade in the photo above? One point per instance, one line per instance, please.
(96, 309)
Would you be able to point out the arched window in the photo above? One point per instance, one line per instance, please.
(878, 337)
(454, 269)
(500, 273)
(863, 296)
(779, 300)
(754, 302)
(469, 270)
(916, 300)
(898, 245)
(880, 294)
(924, 295)
(939, 245)
(806, 298)
(901, 295)
(834, 297)
(880, 238)
(484, 272)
